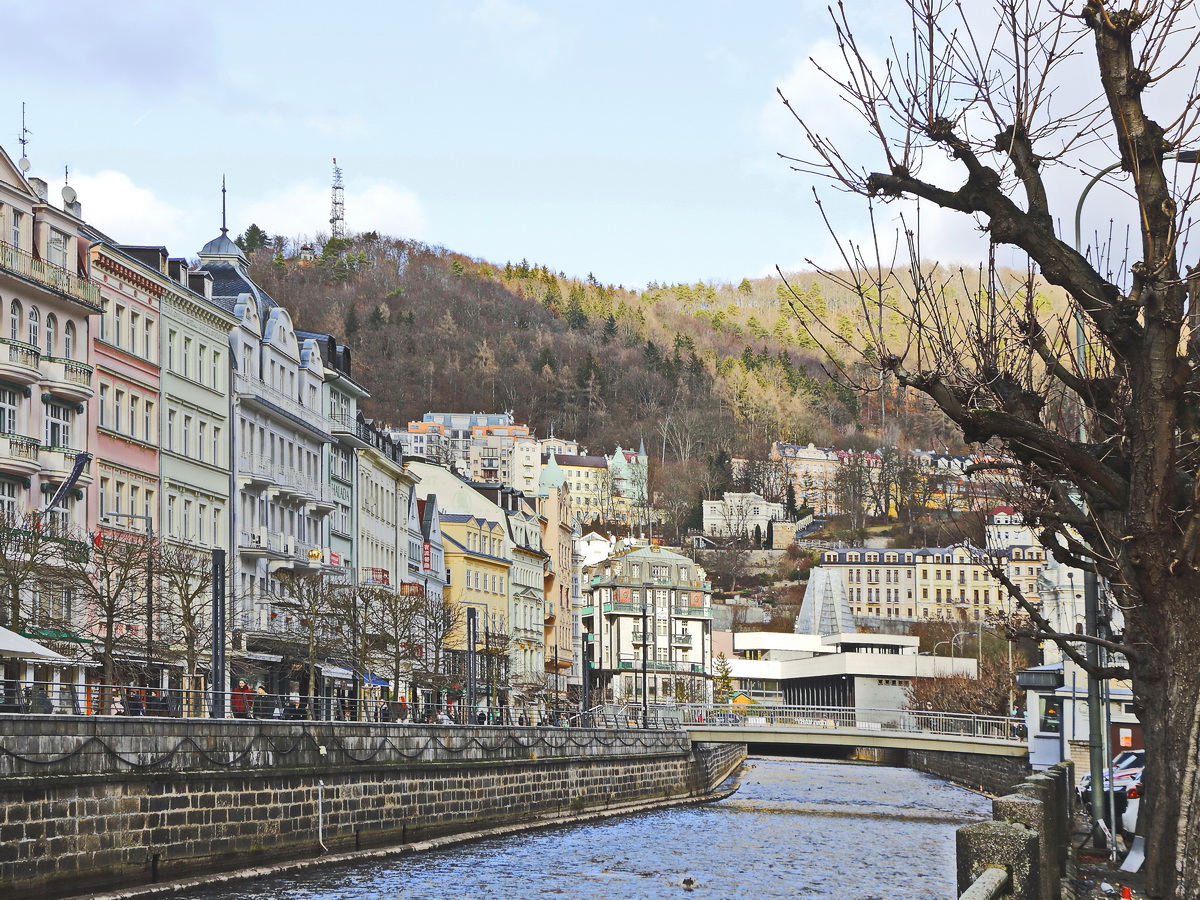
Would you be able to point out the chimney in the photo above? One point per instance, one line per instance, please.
(39, 187)
(75, 208)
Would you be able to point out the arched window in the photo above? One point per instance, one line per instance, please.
(69, 341)
(51, 333)
(34, 320)
(14, 321)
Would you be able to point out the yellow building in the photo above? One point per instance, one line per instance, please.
(479, 561)
(951, 583)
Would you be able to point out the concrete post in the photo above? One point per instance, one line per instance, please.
(1006, 844)
(1036, 814)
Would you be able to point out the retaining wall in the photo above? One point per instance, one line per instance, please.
(991, 774)
(100, 803)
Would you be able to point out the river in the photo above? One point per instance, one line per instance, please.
(797, 828)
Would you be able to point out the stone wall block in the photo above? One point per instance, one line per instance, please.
(1006, 844)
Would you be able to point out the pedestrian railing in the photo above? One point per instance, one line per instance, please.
(908, 721)
(94, 699)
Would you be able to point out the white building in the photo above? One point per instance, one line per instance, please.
(740, 515)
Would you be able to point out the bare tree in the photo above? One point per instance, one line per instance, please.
(1117, 493)
(30, 549)
(185, 578)
(314, 597)
(394, 627)
(112, 578)
(441, 632)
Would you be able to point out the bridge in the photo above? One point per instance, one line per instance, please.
(832, 726)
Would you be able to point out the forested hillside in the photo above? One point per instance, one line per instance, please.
(694, 370)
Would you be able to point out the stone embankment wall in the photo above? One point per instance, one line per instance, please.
(93, 803)
(991, 774)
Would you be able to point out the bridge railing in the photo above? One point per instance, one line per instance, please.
(1002, 728)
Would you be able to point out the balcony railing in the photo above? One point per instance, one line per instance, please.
(22, 354)
(250, 387)
(347, 424)
(73, 371)
(21, 447)
(58, 279)
(692, 612)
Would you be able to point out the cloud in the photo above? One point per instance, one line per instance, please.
(303, 209)
(127, 213)
(521, 37)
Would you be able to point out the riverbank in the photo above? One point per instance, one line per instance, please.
(153, 891)
(111, 805)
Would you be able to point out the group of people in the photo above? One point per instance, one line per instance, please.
(245, 703)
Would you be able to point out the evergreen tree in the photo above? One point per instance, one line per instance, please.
(254, 239)
(746, 287)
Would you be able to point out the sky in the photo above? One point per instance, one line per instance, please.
(635, 141)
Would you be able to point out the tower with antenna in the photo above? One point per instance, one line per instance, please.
(337, 220)
(23, 140)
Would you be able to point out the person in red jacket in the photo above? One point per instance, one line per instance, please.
(242, 700)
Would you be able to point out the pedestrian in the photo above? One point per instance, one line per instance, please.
(293, 710)
(156, 705)
(402, 711)
(242, 700)
(264, 703)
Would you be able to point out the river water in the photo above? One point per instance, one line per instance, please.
(797, 828)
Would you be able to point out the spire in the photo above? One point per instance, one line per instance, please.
(224, 230)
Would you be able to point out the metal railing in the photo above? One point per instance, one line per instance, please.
(997, 728)
(59, 279)
(91, 699)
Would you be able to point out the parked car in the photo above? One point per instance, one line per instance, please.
(1125, 766)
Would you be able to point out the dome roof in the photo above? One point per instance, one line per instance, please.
(221, 245)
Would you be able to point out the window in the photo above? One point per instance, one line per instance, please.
(170, 429)
(8, 411)
(187, 357)
(200, 366)
(170, 515)
(133, 415)
(118, 324)
(58, 424)
(56, 248)
(134, 321)
(148, 420)
(16, 227)
(216, 370)
(14, 321)
(187, 434)
(51, 333)
(35, 319)
(104, 406)
(69, 341)
(8, 498)
(216, 446)
(118, 405)
(148, 342)
(200, 448)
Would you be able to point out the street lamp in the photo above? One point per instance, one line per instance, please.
(645, 645)
(149, 521)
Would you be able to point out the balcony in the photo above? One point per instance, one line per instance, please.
(18, 454)
(691, 612)
(255, 471)
(658, 665)
(19, 362)
(307, 554)
(639, 638)
(348, 427)
(67, 378)
(56, 464)
(681, 640)
(250, 388)
(59, 280)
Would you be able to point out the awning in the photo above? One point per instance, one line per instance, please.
(12, 644)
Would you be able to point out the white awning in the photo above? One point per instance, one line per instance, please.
(12, 644)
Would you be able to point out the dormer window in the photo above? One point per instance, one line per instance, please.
(16, 228)
(56, 248)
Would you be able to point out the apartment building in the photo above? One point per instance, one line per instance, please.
(647, 602)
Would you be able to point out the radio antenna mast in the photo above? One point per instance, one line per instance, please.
(23, 140)
(337, 219)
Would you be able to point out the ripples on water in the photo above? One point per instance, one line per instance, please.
(797, 828)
